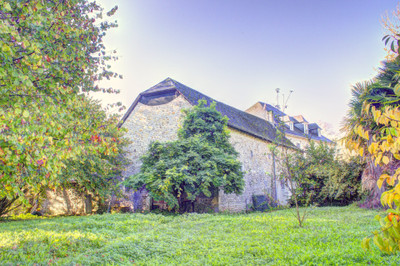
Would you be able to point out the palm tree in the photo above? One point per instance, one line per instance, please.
(379, 93)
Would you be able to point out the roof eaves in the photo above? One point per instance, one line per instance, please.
(130, 109)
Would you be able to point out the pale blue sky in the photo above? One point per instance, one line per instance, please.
(239, 52)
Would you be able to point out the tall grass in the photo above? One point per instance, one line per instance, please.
(330, 235)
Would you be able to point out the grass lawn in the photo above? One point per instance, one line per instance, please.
(331, 236)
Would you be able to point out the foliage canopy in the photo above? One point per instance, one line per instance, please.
(200, 161)
(51, 53)
(326, 180)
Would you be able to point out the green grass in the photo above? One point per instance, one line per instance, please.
(331, 236)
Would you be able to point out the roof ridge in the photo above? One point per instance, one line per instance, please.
(238, 119)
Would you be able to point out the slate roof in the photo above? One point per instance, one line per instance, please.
(238, 119)
(298, 129)
(300, 119)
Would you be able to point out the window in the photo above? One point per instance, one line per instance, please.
(291, 125)
(305, 128)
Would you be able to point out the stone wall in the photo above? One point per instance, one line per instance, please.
(150, 123)
(66, 202)
(161, 122)
(257, 163)
(145, 125)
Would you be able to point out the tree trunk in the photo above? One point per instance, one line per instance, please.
(88, 204)
(5, 205)
(369, 178)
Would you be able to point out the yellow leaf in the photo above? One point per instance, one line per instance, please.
(380, 182)
(383, 198)
(361, 151)
(390, 199)
(359, 131)
(385, 160)
(372, 148)
(397, 197)
(378, 159)
(366, 135)
(377, 114)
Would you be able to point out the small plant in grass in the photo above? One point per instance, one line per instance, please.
(290, 163)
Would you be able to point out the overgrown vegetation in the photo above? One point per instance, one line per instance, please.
(51, 54)
(324, 180)
(331, 236)
(200, 162)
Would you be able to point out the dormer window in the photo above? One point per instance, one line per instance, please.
(305, 128)
(291, 126)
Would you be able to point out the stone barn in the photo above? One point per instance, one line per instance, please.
(156, 115)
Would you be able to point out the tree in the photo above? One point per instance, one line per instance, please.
(201, 161)
(51, 53)
(362, 92)
(381, 141)
(378, 93)
(96, 175)
(326, 180)
(286, 156)
(286, 159)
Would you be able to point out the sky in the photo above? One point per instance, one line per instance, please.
(239, 52)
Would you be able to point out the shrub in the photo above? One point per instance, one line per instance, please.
(327, 180)
(200, 162)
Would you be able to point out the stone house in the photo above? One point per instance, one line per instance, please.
(156, 115)
(297, 129)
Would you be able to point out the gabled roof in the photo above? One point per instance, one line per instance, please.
(300, 119)
(275, 110)
(239, 120)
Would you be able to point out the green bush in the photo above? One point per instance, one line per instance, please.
(200, 162)
(327, 180)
